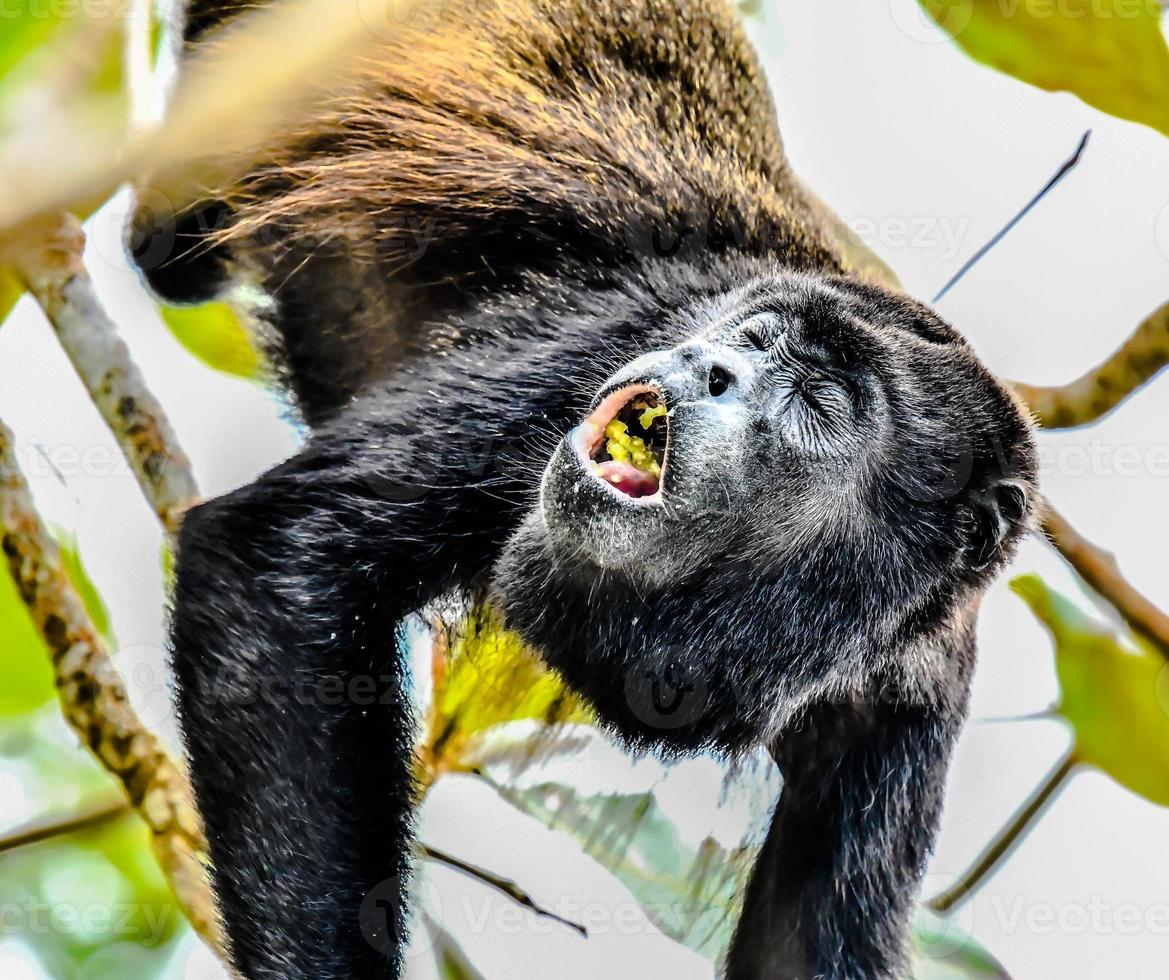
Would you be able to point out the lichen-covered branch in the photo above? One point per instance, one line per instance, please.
(51, 268)
(94, 700)
(1099, 569)
(1101, 389)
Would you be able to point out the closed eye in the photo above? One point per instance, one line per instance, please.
(828, 396)
(762, 331)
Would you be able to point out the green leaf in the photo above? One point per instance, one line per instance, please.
(1111, 55)
(452, 962)
(690, 894)
(940, 950)
(60, 47)
(24, 660)
(1112, 691)
(27, 26)
(214, 334)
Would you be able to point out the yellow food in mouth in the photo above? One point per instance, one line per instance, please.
(649, 413)
(624, 447)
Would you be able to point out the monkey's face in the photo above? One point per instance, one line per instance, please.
(758, 511)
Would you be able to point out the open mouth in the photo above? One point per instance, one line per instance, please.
(623, 442)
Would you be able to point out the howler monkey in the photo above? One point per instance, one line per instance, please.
(569, 336)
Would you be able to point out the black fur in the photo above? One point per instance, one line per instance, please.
(831, 511)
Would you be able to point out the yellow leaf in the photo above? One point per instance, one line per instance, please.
(1110, 53)
(490, 677)
(10, 292)
(214, 334)
(1114, 694)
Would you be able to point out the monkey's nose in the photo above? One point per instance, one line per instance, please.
(700, 371)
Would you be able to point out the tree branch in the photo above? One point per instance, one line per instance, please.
(504, 885)
(93, 697)
(48, 829)
(51, 268)
(1099, 569)
(1097, 392)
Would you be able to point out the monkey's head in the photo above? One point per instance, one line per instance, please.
(799, 498)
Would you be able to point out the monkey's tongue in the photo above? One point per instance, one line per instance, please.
(627, 478)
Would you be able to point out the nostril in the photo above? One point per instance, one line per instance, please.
(719, 380)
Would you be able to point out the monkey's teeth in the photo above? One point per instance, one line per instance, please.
(626, 478)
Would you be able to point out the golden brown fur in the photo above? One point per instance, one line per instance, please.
(482, 139)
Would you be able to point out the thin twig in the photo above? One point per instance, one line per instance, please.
(98, 815)
(51, 268)
(94, 700)
(1099, 569)
(1098, 391)
(504, 885)
(1066, 168)
(1006, 839)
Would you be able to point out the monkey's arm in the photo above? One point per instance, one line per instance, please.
(834, 885)
(292, 696)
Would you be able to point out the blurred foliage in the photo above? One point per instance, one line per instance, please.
(942, 951)
(214, 334)
(50, 53)
(1113, 692)
(484, 675)
(449, 958)
(27, 670)
(28, 26)
(690, 893)
(1112, 55)
(93, 904)
(54, 50)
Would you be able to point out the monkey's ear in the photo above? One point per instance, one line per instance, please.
(1000, 511)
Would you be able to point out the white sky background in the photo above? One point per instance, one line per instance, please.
(907, 139)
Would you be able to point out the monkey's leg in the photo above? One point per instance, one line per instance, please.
(834, 886)
(289, 596)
